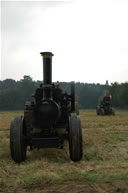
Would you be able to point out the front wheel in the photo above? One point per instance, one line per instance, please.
(102, 111)
(75, 138)
(98, 110)
(17, 135)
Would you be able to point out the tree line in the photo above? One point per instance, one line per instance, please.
(13, 94)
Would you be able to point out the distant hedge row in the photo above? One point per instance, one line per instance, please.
(13, 94)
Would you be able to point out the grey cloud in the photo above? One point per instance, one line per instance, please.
(15, 14)
(19, 23)
(18, 20)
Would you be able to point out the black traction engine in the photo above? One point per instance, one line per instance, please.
(50, 119)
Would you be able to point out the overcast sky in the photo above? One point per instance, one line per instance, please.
(89, 39)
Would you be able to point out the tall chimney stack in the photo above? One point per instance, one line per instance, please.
(47, 67)
(47, 75)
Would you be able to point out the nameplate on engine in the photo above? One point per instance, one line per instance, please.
(45, 103)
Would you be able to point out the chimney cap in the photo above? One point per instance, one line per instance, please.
(46, 54)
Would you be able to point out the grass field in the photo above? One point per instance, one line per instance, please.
(104, 167)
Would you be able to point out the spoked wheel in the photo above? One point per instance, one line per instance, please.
(17, 134)
(75, 138)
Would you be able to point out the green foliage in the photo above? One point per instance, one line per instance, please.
(13, 94)
(119, 93)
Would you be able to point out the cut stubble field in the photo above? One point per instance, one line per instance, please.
(103, 169)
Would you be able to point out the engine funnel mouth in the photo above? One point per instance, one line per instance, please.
(46, 54)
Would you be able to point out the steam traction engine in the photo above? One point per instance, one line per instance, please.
(49, 120)
(105, 107)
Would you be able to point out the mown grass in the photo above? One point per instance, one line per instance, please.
(101, 176)
(5, 118)
(105, 156)
(89, 119)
